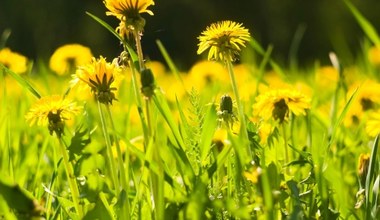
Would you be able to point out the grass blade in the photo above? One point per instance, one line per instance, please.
(170, 62)
(131, 52)
(24, 83)
(367, 27)
(256, 46)
(369, 179)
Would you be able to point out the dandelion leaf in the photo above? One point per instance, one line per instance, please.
(19, 200)
(78, 142)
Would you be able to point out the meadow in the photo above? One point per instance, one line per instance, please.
(237, 136)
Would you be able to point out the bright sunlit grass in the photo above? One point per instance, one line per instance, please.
(231, 138)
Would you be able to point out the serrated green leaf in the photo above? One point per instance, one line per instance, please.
(78, 142)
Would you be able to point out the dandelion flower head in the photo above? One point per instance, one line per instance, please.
(374, 55)
(99, 75)
(206, 73)
(373, 124)
(367, 99)
(14, 61)
(67, 57)
(124, 9)
(280, 103)
(52, 111)
(223, 39)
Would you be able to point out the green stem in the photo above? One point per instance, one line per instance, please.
(71, 178)
(110, 159)
(123, 172)
(139, 102)
(140, 55)
(156, 178)
(285, 145)
(243, 126)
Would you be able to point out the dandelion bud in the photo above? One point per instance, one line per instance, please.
(225, 112)
(147, 83)
(226, 104)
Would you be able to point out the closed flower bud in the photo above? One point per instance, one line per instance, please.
(147, 83)
(226, 104)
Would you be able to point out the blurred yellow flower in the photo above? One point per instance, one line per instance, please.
(14, 61)
(67, 57)
(253, 174)
(224, 40)
(374, 55)
(171, 87)
(99, 75)
(280, 103)
(205, 73)
(363, 165)
(157, 68)
(367, 99)
(220, 139)
(373, 124)
(326, 78)
(52, 111)
(123, 9)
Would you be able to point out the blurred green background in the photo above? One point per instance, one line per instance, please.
(38, 27)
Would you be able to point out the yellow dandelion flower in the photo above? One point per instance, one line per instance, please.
(224, 39)
(367, 99)
(363, 165)
(52, 111)
(123, 9)
(128, 12)
(14, 61)
(220, 139)
(374, 55)
(280, 103)
(373, 124)
(171, 87)
(326, 78)
(253, 174)
(157, 68)
(205, 73)
(99, 75)
(67, 57)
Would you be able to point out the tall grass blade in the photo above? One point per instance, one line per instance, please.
(169, 61)
(340, 119)
(367, 27)
(256, 46)
(24, 83)
(131, 52)
(369, 180)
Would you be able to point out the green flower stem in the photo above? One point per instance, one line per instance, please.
(123, 172)
(156, 178)
(243, 126)
(140, 55)
(138, 101)
(110, 159)
(285, 144)
(71, 178)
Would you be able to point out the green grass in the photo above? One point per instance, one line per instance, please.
(157, 158)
